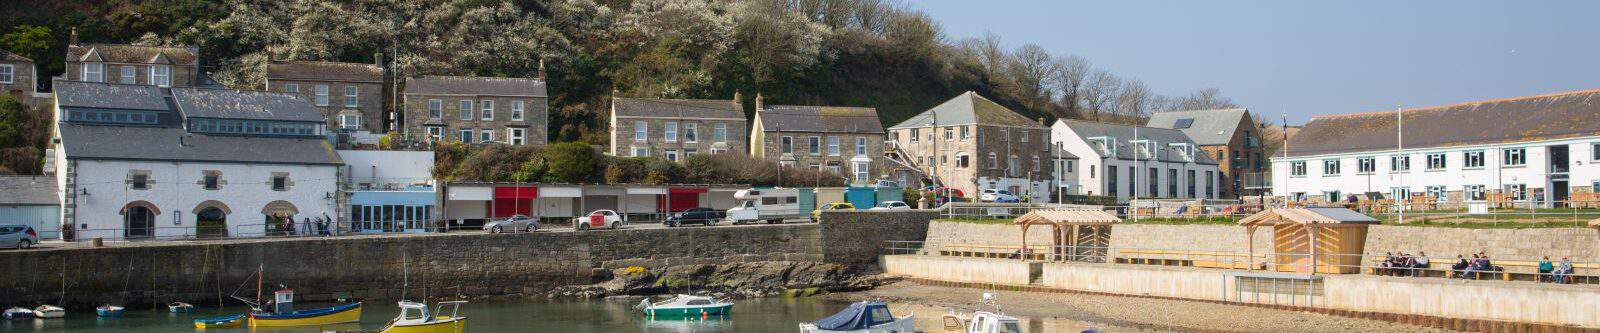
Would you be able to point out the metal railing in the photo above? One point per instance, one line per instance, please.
(1559, 214)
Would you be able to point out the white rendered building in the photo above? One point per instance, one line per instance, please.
(1167, 165)
(139, 161)
(1534, 150)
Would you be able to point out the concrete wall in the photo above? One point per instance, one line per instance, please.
(1506, 244)
(371, 267)
(1495, 300)
(1138, 280)
(955, 269)
(1187, 237)
(942, 233)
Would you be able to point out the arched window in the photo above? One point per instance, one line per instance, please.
(994, 162)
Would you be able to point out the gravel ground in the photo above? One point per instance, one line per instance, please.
(1056, 312)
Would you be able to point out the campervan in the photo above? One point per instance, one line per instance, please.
(772, 205)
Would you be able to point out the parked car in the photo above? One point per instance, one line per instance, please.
(816, 215)
(18, 235)
(516, 223)
(599, 219)
(891, 205)
(998, 195)
(697, 215)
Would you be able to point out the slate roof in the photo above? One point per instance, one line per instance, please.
(182, 56)
(325, 71)
(1520, 119)
(968, 108)
(1124, 134)
(677, 108)
(821, 119)
(164, 144)
(12, 57)
(1208, 127)
(109, 95)
(244, 104)
(472, 85)
(28, 191)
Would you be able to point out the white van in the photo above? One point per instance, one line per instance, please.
(772, 205)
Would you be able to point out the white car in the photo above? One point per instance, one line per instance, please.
(600, 219)
(997, 195)
(891, 205)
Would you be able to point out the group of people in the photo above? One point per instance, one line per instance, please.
(1470, 268)
(319, 226)
(1558, 273)
(1403, 264)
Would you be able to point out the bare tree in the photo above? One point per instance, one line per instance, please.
(1203, 99)
(1134, 100)
(1070, 73)
(1098, 94)
(1029, 69)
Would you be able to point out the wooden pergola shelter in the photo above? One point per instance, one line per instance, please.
(1328, 238)
(1076, 235)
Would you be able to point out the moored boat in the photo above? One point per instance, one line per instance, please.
(220, 322)
(415, 318)
(180, 307)
(49, 312)
(862, 317)
(983, 321)
(109, 311)
(18, 313)
(685, 306)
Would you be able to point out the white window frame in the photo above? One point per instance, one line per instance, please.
(1514, 157)
(485, 135)
(861, 146)
(1437, 162)
(814, 146)
(1366, 165)
(1594, 152)
(641, 152)
(8, 73)
(487, 111)
(691, 132)
(1399, 163)
(517, 109)
(786, 145)
(435, 108)
(437, 133)
(127, 75)
(669, 131)
(833, 146)
(861, 171)
(466, 135)
(670, 154)
(348, 121)
(1469, 157)
(966, 132)
(291, 88)
(1473, 192)
(465, 107)
(719, 132)
(516, 136)
(994, 161)
(161, 78)
(94, 72)
(352, 96)
(321, 95)
(1297, 169)
(1035, 163)
(1330, 167)
(641, 131)
(1024, 135)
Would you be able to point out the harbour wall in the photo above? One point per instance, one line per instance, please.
(376, 267)
(1426, 301)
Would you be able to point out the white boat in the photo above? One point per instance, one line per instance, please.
(415, 318)
(49, 312)
(685, 306)
(983, 321)
(862, 317)
(180, 307)
(18, 313)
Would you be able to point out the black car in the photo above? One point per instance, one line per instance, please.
(700, 215)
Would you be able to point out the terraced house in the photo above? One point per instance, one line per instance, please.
(476, 109)
(350, 95)
(1232, 138)
(17, 76)
(1125, 161)
(1540, 151)
(141, 161)
(165, 66)
(971, 143)
(843, 140)
(675, 129)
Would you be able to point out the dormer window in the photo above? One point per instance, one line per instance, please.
(94, 72)
(128, 76)
(161, 76)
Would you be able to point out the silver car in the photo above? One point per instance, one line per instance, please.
(18, 235)
(516, 223)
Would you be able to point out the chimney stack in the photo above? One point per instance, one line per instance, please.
(737, 97)
(541, 70)
(758, 101)
(1041, 120)
(72, 36)
(377, 59)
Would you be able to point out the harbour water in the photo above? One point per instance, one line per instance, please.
(750, 315)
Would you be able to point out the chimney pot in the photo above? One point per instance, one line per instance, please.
(72, 36)
(758, 101)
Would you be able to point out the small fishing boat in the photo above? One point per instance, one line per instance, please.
(685, 306)
(982, 321)
(862, 317)
(109, 311)
(415, 318)
(220, 322)
(18, 313)
(49, 312)
(284, 314)
(180, 307)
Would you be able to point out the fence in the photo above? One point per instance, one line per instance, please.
(1470, 214)
(1467, 266)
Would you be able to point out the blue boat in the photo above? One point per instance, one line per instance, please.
(109, 311)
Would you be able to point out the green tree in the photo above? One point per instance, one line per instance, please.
(27, 40)
(15, 123)
(569, 162)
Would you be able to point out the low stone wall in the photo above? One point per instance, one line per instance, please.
(1521, 244)
(374, 266)
(1492, 300)
(1222, 238)
(964, 270)
(1144, 281)
(942, 233)
(858, 237)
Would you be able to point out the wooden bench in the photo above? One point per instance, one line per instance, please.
(1204, 259)
(1034, 252)
(1511, 270)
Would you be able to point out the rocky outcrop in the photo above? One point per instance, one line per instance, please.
(733, 280)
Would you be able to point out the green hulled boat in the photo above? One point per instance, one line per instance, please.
(685, 306)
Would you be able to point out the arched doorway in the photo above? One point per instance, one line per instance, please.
(280, 218)
(211, 219)
(139, 220)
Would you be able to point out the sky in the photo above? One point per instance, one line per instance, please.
(1306, 58)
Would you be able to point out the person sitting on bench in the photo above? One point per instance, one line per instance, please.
(1563, 273)
(1419, 264)
(1545, 268)
(1459, 269)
